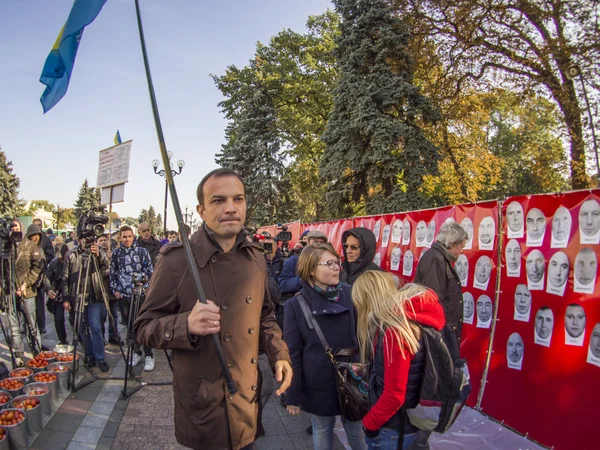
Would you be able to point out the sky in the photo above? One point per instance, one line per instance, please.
(187, 41)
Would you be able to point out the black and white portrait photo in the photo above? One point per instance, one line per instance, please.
(483, 272)
(535, 223)
(467, 224)
(544, 325)
(585, 268)
(512, 254)
(575, 321)
(462, 269)
(487, 233)
(405, 232)
(421, 234)
(589, 222)
(377, 259)
(558, 274)
(594, 348)
(397, 231)
(514, 351)
(484, 311)
(431, 227)
(534, 266)
(561, 228)
(468, 308)
(522, 303)
(395, 258)
(386, 236)
(377, 230)
(407, 263)
(514, 219)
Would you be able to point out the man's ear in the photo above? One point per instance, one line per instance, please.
(200, 210)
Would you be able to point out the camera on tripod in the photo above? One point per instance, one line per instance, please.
(139, 279)
(285, 237)
(91, 226)
(7, 234)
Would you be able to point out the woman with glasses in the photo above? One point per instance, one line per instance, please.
(329, 302)
(359, 250)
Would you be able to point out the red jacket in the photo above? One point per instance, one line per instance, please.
(427, 311)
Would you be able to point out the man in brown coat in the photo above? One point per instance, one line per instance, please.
(234, 278)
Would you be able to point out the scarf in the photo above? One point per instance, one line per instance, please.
(332, 293)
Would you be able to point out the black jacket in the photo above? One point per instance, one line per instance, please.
(70, 276)
(53, 278)
(275, 266)
(368, 247)
(153, 246)
(436, 272)
(46, 245)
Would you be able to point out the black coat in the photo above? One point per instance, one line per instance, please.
(153, 246)
(313, 386)
(436, 272)
(368, 247)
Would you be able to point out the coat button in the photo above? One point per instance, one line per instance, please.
(230, 366)
(227, 338)
(254, 387)
(230, 397)
(248, 299)
(213, 259)
(251, 330)
(253, 360)
(168, 334)
(224, 306)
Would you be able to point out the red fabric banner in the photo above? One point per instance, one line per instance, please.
(545, 365)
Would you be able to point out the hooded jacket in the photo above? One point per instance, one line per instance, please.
(124, 263)
(153, 246)
(30, 261)
(368, 247)
(395, 379)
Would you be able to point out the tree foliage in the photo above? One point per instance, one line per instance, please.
(10, 203)
(377, 154)
(151, 218)
(529, 45)
(88, 198)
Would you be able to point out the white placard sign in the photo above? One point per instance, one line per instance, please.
(113, 167)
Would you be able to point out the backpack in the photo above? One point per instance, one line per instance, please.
(446, 383)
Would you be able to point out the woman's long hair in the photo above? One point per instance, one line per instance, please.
(380, 306)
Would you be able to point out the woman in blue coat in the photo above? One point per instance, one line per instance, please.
(313, 387)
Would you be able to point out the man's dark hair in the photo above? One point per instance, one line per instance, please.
(63, 234)
(125, 228)
(171, 232)
(217, 173)
(188, 230)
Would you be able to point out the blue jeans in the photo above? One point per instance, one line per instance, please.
(323, 433)
(94, 341)
(28, 303)
(387, 439)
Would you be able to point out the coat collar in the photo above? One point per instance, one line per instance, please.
(440, 248)
(204, 245)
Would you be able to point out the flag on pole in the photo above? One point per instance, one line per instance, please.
(59, 64)
(118, 138)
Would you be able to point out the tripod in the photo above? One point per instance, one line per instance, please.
(136, 301)
(12, 306)
(87, 260)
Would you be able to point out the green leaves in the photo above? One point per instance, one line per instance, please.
(10, 204)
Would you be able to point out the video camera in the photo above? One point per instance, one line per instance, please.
(7, 235)
(260, 238)
(91, 226)
(285, 237)
(139, 279)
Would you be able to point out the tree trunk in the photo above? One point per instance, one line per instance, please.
(455, 163)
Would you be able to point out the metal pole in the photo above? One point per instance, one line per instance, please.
(587, 103)
(166, 200)
(231, 387)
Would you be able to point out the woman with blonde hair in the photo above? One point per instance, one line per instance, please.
(327, 303)
(389, 338)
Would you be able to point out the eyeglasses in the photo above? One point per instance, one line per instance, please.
(143, 231)
(332, 264)
(351, 247)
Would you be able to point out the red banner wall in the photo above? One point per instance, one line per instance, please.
(545, 366)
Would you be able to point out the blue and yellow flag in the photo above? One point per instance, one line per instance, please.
(118, 138)
(59, 64)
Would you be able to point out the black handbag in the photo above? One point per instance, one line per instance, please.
(351, 377)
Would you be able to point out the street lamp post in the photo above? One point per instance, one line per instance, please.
(162, 173)
(57, 212)
(188, 217)
(574, 71)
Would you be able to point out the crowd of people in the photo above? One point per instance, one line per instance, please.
(50, 269)
(277, 315)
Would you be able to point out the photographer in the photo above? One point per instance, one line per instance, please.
(94, 341)
(127, 260)
(28, 268)
(113, 334)
(40, 299)
(52, 284)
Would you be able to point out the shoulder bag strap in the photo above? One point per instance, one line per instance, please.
(312, 323)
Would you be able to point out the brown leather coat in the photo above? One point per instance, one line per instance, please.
(206, 417)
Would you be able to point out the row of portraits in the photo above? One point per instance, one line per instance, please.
(515, 348)
(425, 233)
(534, 224)
(559, 267)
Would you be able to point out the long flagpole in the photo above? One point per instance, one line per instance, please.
(231, 387)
